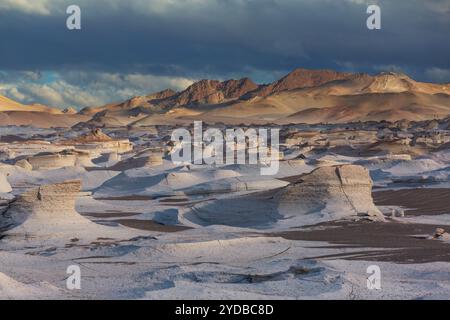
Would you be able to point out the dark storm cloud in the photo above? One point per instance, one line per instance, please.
(225, 38)
(228, 36)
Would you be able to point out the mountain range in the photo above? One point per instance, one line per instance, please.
(302, 96)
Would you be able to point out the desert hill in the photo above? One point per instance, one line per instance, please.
(139, 101)
(7, 104)
(14, 113)
(302, 96)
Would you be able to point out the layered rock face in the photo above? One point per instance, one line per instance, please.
(119, 146)
(44, 210)
(48, 213)
(52, 161)
(50, 201)
(338, 190)
(105, 146)
(97, 142)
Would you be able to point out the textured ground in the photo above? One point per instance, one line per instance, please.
(158, 230)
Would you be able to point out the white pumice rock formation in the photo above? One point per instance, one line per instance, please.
(56, 160)
(337, 190)
(326, 193)
(98, 142)
(152, 160)
(119, 146)
(113, 158)
(83, 159)
(49, 161)
(5, 187)
(48, 212)
(40, 209)
(23, 163)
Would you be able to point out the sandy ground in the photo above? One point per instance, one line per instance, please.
(423, 201)
(137, 242)
(396, 242)
(149, 225)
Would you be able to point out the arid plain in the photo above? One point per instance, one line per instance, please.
(363, 179)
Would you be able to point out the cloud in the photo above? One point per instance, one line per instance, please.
(438, 75)
(439, 6)
(138, 46)
(40, 7)
(80, 89)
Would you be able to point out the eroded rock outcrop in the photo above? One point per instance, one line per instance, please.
(327, 193)
(48, 213)
(5, 187)
(56, 160)
(48, 160)
(97, 142)
(24, 164)
(46, 204)
(138, 162)
(95, 135)
(45, 210)
(340, 191)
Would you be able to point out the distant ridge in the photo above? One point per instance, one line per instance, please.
(301, 96)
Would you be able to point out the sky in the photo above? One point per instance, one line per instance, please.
(135, 47)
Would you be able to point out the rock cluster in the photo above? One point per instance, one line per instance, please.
(56, 160)
(97, 142)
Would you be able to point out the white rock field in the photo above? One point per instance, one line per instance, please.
(139, 226)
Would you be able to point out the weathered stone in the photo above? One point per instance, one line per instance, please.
(5, 187)
(339, 190)
(52, 161)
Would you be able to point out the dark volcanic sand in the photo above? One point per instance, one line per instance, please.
(398, 242)
(11, 138)
(127, 198)
(109, 214)
(149, 225)
(423, 201)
